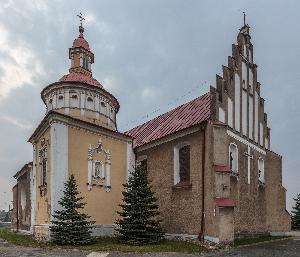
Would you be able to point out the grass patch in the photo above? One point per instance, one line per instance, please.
(111, 244)
(106, 244)
(22, 240)
(257, 239)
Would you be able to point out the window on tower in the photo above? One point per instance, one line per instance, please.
(60, 102)
(89, 103)
(85, 63)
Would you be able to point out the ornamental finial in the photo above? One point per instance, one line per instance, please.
(81, 18)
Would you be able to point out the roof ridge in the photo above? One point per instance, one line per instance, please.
(189, 102)
(177, 119)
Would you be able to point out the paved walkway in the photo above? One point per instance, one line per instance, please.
(282, 248)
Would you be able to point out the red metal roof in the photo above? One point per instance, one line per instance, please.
(182, 117)
(80, 77)
(221, 168)
(224, 202)
(81, 42)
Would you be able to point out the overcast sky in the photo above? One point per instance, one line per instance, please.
(149, 54)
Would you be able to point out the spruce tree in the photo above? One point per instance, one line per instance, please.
(7, 217)
(296, 214)
(138, 224)
(69, 225)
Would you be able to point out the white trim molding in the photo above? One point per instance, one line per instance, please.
(33, 188)
(59, 162)
(245, 142)
(130, 159)
(176, 161)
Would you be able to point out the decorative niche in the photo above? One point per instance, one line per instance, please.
(98, 170)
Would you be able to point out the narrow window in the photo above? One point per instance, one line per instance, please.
(261, 170)
(89, 103)
(184, 163)
(233, 158)
(43, 166)
(244, 76)
(237, 97)
(50, 105)
(60, 103)
(229, 112)
(74, 102)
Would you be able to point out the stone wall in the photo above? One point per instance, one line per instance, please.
(180, 207)
(278, 219)
(21, 214)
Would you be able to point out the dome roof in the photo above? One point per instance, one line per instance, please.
(80, 77)
(81, 42)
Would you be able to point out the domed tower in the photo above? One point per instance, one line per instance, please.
(78, 94)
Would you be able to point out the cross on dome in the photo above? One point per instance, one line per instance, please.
(81, 18)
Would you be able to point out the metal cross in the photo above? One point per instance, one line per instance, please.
(249, 157)
(81, 18)
(244, 18)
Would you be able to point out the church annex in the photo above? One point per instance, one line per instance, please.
(209, 160)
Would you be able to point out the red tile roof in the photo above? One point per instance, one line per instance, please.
(81, 42)
(80, 77)
(221, 168)
(224, 202)
(180, 118)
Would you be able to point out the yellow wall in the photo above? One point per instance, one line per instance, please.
(101, 205)
(43, 203)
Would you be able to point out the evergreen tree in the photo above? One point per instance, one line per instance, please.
(7, 217)
(138, 224)
(69, 225)
(296, 214)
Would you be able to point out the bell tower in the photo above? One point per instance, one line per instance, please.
(80, 54)
(78, 93)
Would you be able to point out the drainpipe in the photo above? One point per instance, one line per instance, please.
(201, 234)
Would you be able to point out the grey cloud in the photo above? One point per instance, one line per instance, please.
(164, 47)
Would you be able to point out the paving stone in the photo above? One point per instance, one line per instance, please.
(283, 248)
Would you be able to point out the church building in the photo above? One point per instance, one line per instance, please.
(209, 161)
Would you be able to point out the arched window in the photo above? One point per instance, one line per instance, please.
(261, 170)
(60, 102)
(102, 107)
(50, 105)
(89, 103)
(182, 163)
(233, 158)
(74, 101)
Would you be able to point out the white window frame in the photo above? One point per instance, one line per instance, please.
(176, 161)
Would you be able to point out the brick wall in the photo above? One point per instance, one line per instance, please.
(180, 207)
